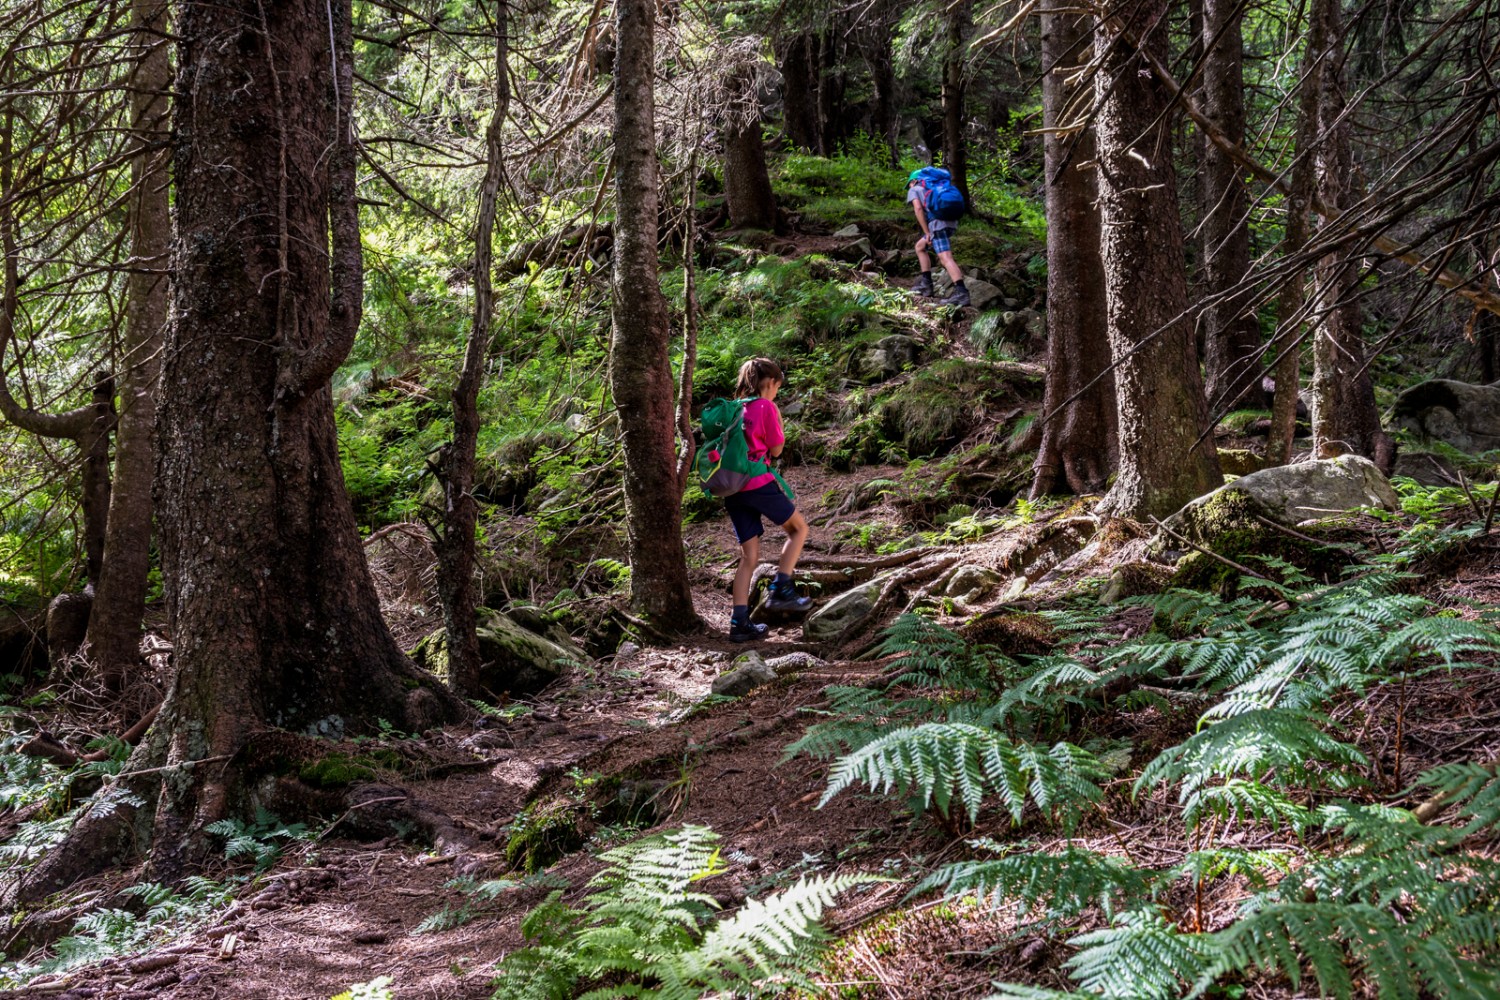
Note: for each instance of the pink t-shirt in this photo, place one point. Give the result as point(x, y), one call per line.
point(762, 432)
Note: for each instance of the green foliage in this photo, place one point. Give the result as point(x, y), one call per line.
point(261, 841)
point(378, 988)
point(645, 932)
point(111, 933)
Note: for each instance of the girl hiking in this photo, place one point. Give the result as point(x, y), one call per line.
point(763, 497)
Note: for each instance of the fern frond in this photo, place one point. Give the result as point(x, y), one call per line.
point(937, 763)
point(1139, 956)
point(1475, 788)
point(1068, 882)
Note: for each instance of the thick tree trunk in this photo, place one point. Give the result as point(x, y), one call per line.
point(454, 543)
point(93, 444)
point(120, 599)
point(1344, 417)
point(640, 365)
point(1231, 333)
point(1079, 439)
point(955, 153)
point(877, 52)
point(1162, 409)
point(747, 182)
point(272, 608)
point(1292, 298)
point(800, 75)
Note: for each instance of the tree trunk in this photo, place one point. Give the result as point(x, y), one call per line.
point(877, 52)
point(1231, 333)
point(1079, 439)
point(955, 155)
point(93, 444)
point(640, 365)
point(120, 599)
point(799, 75)
point(747, 182)
point(1344, 417)
point(454, 543)
point(832, 126)
point(1292, 298)
point(272, 608)
point(1162, 409)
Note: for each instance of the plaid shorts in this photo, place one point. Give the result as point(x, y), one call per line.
point(941, 240)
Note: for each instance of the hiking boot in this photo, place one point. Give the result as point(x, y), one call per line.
point(786, 600)
point(922, 287)
point(959, 298)
point(746, 631)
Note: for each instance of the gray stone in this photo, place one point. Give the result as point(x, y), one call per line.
point(576, 423)
point(845, 611)
point(512, 659)
point(627, 649)
point(982, 294)
point(970, 583)
point(849, 232)
point(793, 662)
point(888, 357)
point(1455, 413)
point(1310, 490)
point(1426, 468)
point(746, 673)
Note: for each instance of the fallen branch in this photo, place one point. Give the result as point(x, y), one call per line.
point(1211, 554)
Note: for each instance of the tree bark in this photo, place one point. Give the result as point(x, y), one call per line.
point(271, 605)
point(876, 46)
point(640, 365)
point(1162, 409)
point(800, 74)
point(955, 153)
point(1079, 438)
point(120, 599)
point(1231, 333)
point(454, 542)
point(747, 182)
point(1344, 417)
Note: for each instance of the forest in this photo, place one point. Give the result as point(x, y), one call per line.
point(845, 499)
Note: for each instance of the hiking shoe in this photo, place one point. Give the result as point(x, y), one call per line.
point(960, 297)
point(746, 631)
point(788, 601)
point(922, 287)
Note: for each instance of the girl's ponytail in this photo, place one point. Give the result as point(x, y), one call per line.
point(753, 374)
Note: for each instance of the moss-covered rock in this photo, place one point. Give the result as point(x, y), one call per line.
point(514, 659)
point(545, 831)
point(1239, 461)
point(1231, 523)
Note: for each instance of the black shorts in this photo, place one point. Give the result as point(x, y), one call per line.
point(747, 508)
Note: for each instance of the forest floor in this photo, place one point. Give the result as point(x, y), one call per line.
point(339, 910)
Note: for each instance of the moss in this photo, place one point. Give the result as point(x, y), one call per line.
point(1013, 633)
point(1227, 524)
point(1239, 461)
point(337, 770)
point(544, 832)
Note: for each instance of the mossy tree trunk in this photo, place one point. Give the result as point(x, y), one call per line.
point(456, 523)
point(1165, 458)
point(640, 365)
point(271, 604)
point(1079, 438)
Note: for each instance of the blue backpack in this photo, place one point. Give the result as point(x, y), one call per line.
point(941, 199)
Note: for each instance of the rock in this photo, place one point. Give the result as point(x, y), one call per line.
point(67, 624)
point(1426, 468)
point(982, 294)
point(793, 662)
point(1133, 579)
point(627, 649)
point(888, 357)
point(849, 232)
point(844, 612)
point(534, 619)
point(1239, 461)
point(746, 673)
point(1455, 413)
point(576, 423)
point(970, 583)
point(1302, 492)
point(794, 408)
point(513, 659)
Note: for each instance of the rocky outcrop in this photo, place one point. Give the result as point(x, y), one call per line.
point(888, 357)
point(1302, 492)
point(1465, 416)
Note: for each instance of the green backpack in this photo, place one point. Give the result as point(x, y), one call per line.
point(723, 462)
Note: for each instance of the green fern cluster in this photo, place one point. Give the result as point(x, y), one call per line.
point(646, 932)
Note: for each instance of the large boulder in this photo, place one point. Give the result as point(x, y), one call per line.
point(1302, 492)
point(844, 612)
point(514, 659)
point(982, 294)
point(888, 357)
point(1464, 416)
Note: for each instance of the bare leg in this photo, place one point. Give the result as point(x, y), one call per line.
point(796, 537)
point(924, 259)
point(749, 559)
point(949, 264)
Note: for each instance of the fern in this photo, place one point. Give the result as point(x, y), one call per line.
point(1474, 788)
point(1140, 956)
point(938, 762)
point(1062, 885)
point(643, 932)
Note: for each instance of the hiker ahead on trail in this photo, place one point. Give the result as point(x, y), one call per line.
point(938, 206)
point(740, 438)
